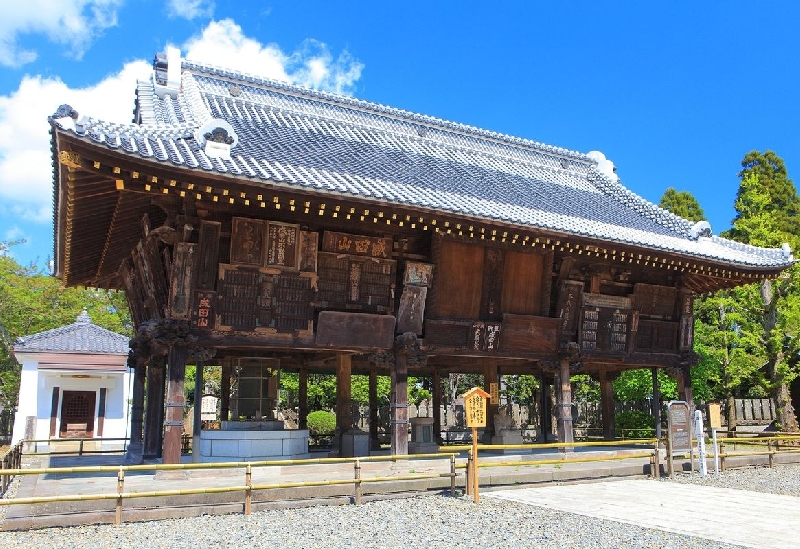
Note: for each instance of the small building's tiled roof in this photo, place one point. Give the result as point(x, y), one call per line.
point(81, 337)
point(331, 144)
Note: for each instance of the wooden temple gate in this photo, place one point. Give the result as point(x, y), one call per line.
point(220, 268)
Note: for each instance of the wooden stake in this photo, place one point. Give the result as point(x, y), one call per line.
point(475, 464)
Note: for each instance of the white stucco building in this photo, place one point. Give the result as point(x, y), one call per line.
point(74, 383)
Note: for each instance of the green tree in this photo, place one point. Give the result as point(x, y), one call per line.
point(682, 203)
point(32, 302)
point(767, 207)
point(727, 340)
point(776, 197)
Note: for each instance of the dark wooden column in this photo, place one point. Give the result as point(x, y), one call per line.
point(154, 413)
point(173, 423)
point(101, 410)
point(437, 407)
point(53, 413)
point(564, 403)
point(225, 390)
point(607, 404)
point(374, 442)
point(302, 397)
point(344, 407)
point(545, 410)
point(135, 448)
point(405, 345)
point(489, 376)
point(656, 401)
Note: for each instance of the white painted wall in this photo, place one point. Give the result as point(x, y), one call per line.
point(36, 390)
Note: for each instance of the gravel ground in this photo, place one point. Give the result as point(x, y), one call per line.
point(428, 521)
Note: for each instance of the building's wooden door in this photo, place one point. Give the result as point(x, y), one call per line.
point(77, 414)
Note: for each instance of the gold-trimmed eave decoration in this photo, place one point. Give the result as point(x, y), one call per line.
point(70, 159)
point(384, 215)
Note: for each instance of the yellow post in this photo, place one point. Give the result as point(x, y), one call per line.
point(452, 475)
point(248, 494)
point(771, 454)
point(358, 482)
point(475, 463)
point(120, 488)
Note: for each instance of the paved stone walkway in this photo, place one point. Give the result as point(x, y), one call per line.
point(750, 519)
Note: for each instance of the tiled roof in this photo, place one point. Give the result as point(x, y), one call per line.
point(81, 337)
point(332, 144)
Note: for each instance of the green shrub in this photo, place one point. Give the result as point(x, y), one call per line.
point(321, 422)
point(634, 424)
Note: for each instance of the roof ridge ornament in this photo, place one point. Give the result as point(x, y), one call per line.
point(217, 137)
point(84, 317)
point(701, 228)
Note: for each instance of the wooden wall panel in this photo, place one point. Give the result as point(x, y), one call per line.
point(459, 282)
point(352, 330)
point(209, 255)
point(529, 333)
point(522, 284)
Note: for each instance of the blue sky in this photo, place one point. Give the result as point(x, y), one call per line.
point(674, 93)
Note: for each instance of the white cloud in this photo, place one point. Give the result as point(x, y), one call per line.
point(190, 9)
point(25, 160)
point(73, 23)
point(224, 44)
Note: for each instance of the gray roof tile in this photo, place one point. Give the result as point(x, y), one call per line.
point(80, 337)
point(305, 138)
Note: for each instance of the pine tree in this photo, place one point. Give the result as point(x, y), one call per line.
point(767, 207)
point(682, 203)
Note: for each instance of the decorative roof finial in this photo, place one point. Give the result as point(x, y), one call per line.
point(84, 317)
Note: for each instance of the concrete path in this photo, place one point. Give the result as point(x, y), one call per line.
point(750, 519)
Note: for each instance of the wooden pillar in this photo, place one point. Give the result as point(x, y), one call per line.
point(400, 402)
point(173, 424)
point(197, 422)
point(489, 376)
point(302, 397)
point(684, 380)
point(564, 403)
point(437, 407)
point(374, 442)
point(344, 408)
point(545, 411)
point(225, 392)
point(154, 413)
point(607, 405)
point(134, 450)
point(53, 412)
point(656, 402)
point(101, 411)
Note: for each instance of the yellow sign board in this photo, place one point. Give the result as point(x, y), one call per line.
point(714, 416)
point(475, 407)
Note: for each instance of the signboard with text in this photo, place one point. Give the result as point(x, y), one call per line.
point(679, 426)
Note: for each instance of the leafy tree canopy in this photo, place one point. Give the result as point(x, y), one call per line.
point(682, 203)
point(31, 301)
point(766, 191)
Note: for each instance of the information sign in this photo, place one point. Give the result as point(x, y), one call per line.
point(475, 407)
point(680, 426)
